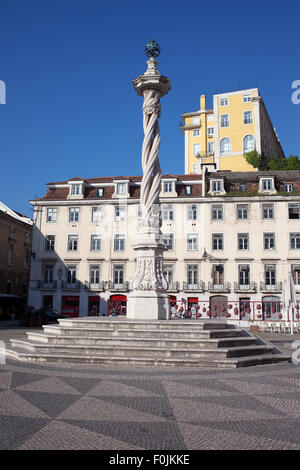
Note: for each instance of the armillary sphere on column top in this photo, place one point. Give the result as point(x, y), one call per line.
point(152, 49)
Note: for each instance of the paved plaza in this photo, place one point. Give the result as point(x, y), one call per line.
point(105, 407)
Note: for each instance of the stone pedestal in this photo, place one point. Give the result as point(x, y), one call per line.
point(148, 301)
point(148, 305)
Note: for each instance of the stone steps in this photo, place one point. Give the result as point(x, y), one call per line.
point(188, 343)
point(135, 351)
point(171, 342)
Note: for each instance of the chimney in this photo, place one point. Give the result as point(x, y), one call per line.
point(202, 103)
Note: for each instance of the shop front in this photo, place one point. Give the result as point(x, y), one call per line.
point(70, 305)
point(116, 305)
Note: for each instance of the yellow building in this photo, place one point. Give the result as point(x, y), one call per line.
point(237, 123)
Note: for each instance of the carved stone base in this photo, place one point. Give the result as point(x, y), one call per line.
point(148, 305)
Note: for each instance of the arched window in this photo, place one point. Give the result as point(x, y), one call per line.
point(248, 143)
point(225, 146)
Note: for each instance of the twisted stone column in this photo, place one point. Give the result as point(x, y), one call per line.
point(148, 299)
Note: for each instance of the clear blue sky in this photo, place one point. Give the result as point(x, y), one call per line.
point(69, 64)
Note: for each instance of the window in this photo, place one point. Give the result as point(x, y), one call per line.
point(196, 149)
point(210, 147)
point(246, 98)
point(74, 214)
point(294, 211)
point(100, 192)
point(224, 102)
point(26, 259)
point(217, 241)
point(118, 274)
point(242, 187)
point(96, 242)
point(49, 242)
point(119, 242)
point(11, 253)
point(248, 117)
point(192, 241)
point(225, 146)
point(168, 212)
point(242, 211)
point(187, 190)
point(224, 120)
point(248, 143)
point(268, 211)
point(168, 239)
point(195, 168)
point(244, 275)
point(267, 184)
point(27, 237)
point(192, 212)
point(218, 274)
point(217, 186)
point(243, 241)
point(168, 273)
point(96, 214)
point(295, 241)
point(217, 212)
point(288, 187)
point(48, 274)
point(71, 275)
point(168, 187)
point(296, 274)
point(94, 275)
point(270, 275)
point(269, 241)
point(51, 214)
point(72, 242)
point(196, 132)
point(210, 131)
point(196, 121)
point(75, 188)
point(120, 213)
point(192, 275)
point(121, 188)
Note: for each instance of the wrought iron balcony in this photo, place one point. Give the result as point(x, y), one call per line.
point(93, 286)
point(118, 287)
point(173, 286)
point(277, 287)
point(225, 287)
point(251, 287)
point(47, 285)
point(70, 285)
point(198, 287)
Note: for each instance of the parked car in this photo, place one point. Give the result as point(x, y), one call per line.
point(54, 315)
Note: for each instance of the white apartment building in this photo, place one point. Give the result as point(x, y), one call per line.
point(232, 239)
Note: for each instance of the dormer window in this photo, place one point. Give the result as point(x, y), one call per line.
point(188, 190)
point(168, 187)
point(121, 188)
point(75, 189)
point(100, 192)
point(288, 187)
point(266, 185)
point(217, 186)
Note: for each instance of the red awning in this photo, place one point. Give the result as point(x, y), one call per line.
point(118, 297)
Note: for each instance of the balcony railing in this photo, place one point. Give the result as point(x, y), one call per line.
point(198, 287)
point(47, 285)
point(118, 287)
point(277, 287)
point(173, 286)
point(225, 287)
point(251, 287)
point(70, 285)
point(95, 286)
point(205, 154)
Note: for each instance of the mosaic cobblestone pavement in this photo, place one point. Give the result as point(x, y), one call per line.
point(68, 406)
